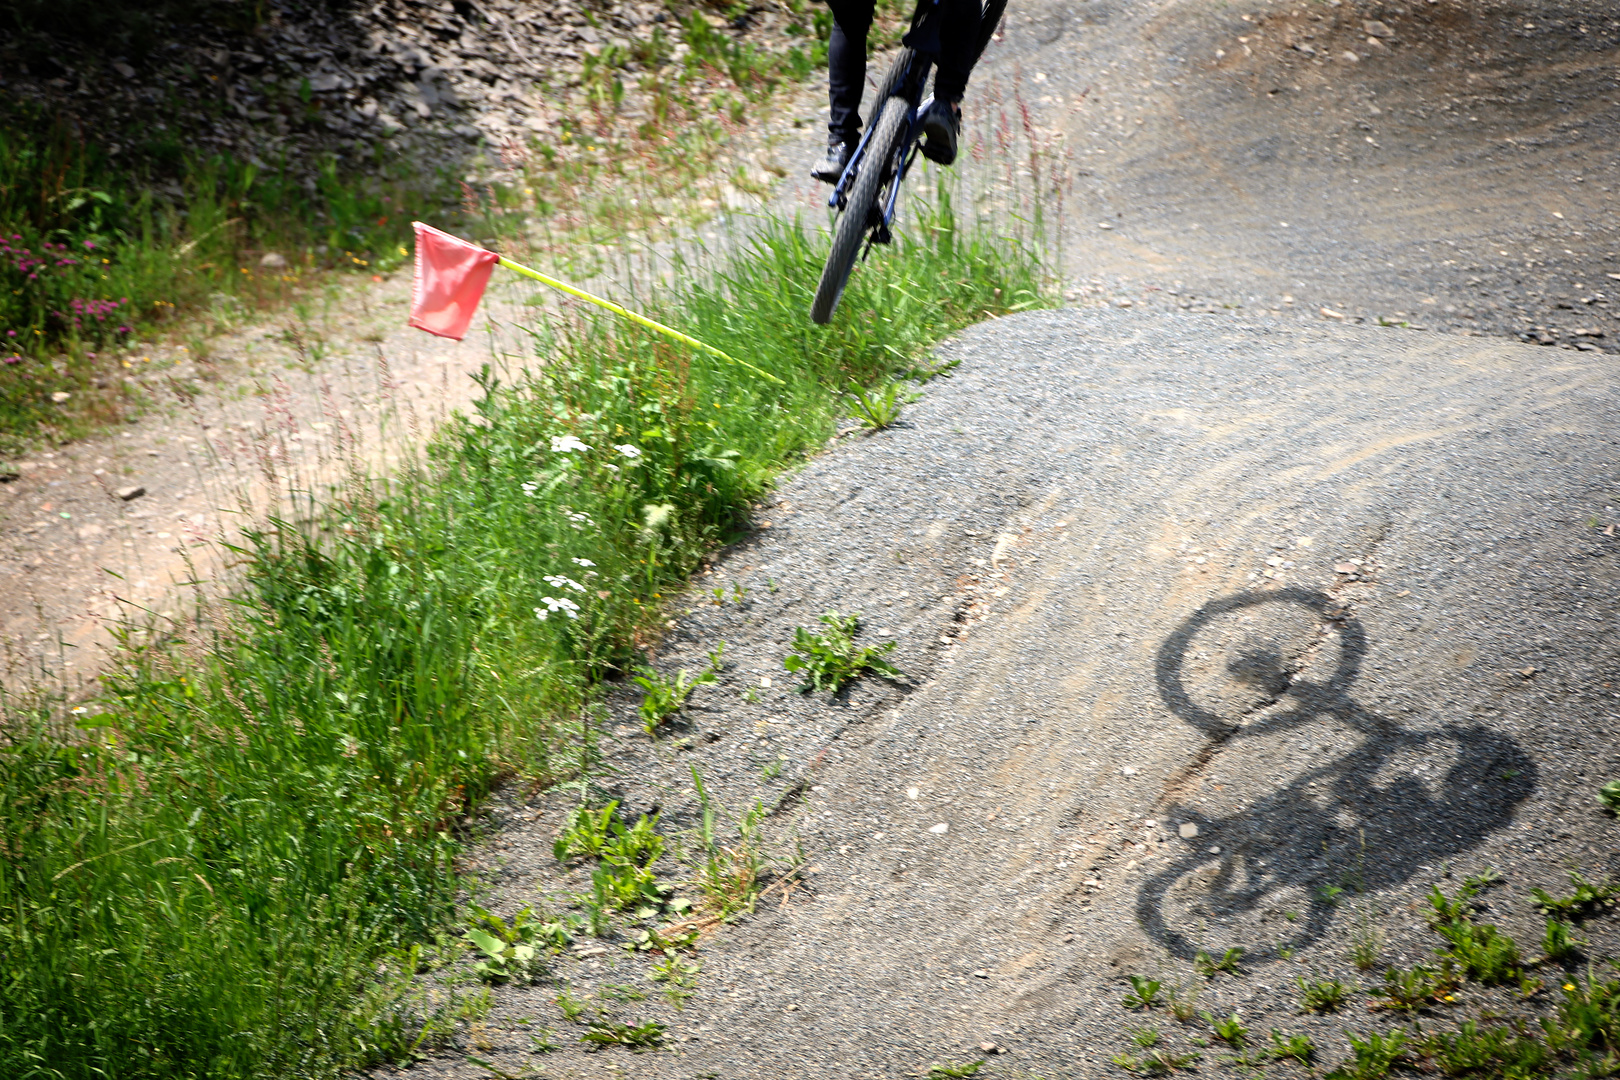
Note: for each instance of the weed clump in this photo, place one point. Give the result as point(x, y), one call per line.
point(831, 658)
point(878, 409)
point(1144, 993)
point(1322, 995)
point(1588, 898)
point(1210, 966)
point(259, 817)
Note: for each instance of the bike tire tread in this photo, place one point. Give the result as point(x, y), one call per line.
point(851, 226)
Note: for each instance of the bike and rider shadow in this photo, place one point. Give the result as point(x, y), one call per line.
point(1365, 820)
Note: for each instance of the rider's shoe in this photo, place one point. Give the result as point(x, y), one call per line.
point(940, 125)
point(832, 166)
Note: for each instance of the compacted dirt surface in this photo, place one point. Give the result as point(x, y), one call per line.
point(1225, 623)
point(118, 527)
point(1252, 661)
point(1449, 165)
point(1229, 626)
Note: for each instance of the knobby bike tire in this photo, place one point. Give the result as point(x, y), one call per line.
point(856, 218)
point(897, 71)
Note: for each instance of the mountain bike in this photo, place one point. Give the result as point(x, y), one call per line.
point(868, 191)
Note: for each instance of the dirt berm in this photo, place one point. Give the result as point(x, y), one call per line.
point(1221, 630)
point(1219, 633)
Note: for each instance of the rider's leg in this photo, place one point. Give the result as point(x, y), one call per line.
point(846, 79)
point(959, 34)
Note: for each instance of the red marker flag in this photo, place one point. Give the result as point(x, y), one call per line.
point(450, 278)
point(451, 275)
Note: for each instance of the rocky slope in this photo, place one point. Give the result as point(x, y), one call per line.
point(426, 82)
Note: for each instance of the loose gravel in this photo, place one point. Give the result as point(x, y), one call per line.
point(1218, 632)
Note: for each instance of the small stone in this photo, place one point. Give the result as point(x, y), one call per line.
point(90, 532)
point(1215, 849)
point(791, 1008)
point(273, 260)
point(1105, 224)
point(941, 829)
point(1127, 770)
point(123, 69)
point(912, 793)
point(60, 396)
point(1377, 29)
point(131, 493)
point(1345, 568)
point(1187, 830)
point(1349, 57)
point(1329, 313)
point(981, 973)
point(1305, 49)
point(989, 1047)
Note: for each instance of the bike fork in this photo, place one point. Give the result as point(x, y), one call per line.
point(908, 155)
point(836, 199)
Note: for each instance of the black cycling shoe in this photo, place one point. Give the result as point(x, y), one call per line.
point(940, 125)
point(832, 166)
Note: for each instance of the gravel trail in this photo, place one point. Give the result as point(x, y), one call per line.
point(1227, 622)
point(1203, 618)
point(1233, 625)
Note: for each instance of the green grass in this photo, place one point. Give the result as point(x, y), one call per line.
point(227, 865)
point(93, 258)
point(1577, 1033)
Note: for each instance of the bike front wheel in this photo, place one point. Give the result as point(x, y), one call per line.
point(862, 209)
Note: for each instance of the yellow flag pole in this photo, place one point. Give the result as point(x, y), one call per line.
point(632, 316)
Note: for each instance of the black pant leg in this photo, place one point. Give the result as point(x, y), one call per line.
point(846, 65)
point(959, 34)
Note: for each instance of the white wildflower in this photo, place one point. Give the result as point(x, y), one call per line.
point(579, 521)
point(557, 581)
point(566, 444)
point(530, 486)
point(556, 603)
point(583, 562)
point(631, 452)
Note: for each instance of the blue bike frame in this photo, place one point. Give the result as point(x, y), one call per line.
point(906, 151)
